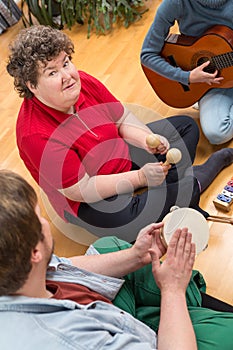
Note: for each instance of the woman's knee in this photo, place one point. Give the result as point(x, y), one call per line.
point(185, 125)
point(176, 125)
point(216, 115)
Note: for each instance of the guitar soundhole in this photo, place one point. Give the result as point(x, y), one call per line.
point(211, 68)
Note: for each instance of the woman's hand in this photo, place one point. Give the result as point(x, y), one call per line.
point(153, 174)
point(162, 148)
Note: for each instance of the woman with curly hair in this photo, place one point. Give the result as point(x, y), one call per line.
point(89, 153)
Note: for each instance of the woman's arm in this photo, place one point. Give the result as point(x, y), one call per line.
point(168, 12)
point(135, 132)
point(96, 188)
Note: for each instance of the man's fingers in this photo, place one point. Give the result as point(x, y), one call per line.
point(187, 240)
point(181, 244)
point(150, 229)
point(154, 259)
point(192, 255)
point(172, 246)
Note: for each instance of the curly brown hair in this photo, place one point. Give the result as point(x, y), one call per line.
point(20, 231)
point(32, 46)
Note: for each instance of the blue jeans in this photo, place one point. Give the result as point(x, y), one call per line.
point(216, 115)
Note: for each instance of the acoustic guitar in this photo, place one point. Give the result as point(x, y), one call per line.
point(187, 52)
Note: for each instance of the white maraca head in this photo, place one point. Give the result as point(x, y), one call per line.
point(173, 156)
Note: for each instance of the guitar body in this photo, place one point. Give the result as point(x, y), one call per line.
point(188, 53)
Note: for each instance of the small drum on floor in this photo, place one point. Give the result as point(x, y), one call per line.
point(190, 218)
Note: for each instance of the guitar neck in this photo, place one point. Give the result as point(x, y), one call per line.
point(223, 61)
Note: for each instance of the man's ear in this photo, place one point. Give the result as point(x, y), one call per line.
point(36, 255)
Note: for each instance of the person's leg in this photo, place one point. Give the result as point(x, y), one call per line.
point(182, 132)
point(185, 137)
point(212, 303)
point(124, 215)
point(148, 297)
point(139, 295)
point(125, 298)
point(216, 115)
point(206, 172)
point(213, 329)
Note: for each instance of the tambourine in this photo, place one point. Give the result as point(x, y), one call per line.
point(190, 218)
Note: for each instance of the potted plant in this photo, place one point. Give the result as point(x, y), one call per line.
point(100, 15)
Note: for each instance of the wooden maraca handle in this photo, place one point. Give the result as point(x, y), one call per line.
point(153, 140)
point(173, 156)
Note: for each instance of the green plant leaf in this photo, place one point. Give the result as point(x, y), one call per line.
point(99, 15)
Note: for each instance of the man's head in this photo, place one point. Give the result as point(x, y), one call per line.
point(20, 231)
point(34, 45)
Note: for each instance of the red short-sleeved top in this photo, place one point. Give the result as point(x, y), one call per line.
point(58, 148)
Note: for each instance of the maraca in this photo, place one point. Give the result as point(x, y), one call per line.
point(173, 155)
point(152, 140)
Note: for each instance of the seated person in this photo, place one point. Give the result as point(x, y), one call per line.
point(104, 301)
point(89, 153)
point(194, 19)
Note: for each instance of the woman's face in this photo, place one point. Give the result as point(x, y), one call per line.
point(58, 84)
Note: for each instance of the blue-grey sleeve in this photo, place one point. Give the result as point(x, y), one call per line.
point(168, 12)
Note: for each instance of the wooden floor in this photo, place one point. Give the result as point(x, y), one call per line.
point(114, 59)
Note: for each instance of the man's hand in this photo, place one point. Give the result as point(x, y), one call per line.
point(149, 238)
point(175, 272)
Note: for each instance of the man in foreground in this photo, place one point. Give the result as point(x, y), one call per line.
point(49, 302)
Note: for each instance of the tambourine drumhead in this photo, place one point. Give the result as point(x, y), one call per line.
point(193, 220)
